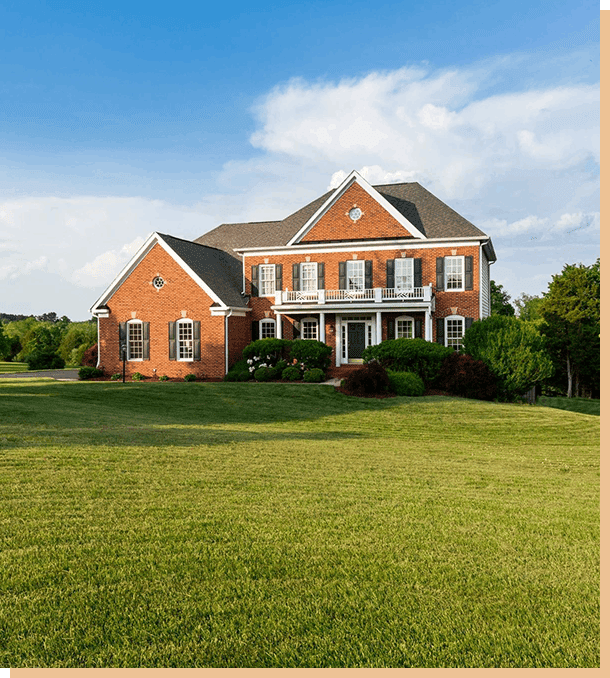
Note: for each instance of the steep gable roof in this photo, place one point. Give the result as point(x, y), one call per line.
point(427, 213)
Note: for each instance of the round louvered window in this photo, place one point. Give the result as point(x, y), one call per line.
point(355, 213)
point(158, 282)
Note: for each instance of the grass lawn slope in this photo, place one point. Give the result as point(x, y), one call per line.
point(227, 525)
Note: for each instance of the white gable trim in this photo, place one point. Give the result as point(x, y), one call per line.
point(152, 240)
point(355, 178)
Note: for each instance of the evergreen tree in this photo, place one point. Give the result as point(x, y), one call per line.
point(500, 300)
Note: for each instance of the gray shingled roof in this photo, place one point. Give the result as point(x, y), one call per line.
point(424, 210)
point(220, 270)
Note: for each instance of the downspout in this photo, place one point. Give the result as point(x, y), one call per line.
point(227, 316)
point(98, 340)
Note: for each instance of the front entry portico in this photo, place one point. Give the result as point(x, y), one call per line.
point(354, 334)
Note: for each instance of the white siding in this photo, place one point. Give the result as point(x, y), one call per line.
point(485, 295)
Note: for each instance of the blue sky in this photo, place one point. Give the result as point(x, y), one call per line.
point(118, 119)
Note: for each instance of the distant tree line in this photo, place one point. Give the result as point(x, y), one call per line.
point(45, 341)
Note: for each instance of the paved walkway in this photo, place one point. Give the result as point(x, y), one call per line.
point(59, 375)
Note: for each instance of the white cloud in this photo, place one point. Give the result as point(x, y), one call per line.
point(105, 266)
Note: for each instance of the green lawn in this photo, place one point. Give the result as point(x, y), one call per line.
point(582, 405)
point(13, 367)
point(218, 525)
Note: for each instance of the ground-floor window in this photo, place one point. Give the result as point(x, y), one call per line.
point(404, 327)
point(185, 339)
point(267, 326)
point(309, 329)
point(454, 331)
point(135, 340)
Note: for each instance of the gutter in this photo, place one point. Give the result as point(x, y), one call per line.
point(227, 316)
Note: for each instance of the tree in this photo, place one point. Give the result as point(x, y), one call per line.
point(528, 307)
point(512, 349)
point(571, 314)
point(5, 346)
point(500, 300)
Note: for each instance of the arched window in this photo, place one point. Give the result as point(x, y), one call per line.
point(454, 331)
point(404, 327)
point(309, 328)
point(135, 340)
point(267, 328)
point(184, 329)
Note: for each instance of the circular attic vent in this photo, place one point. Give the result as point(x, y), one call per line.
point(158, 282)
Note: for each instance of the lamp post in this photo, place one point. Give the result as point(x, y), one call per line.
point(124, 354)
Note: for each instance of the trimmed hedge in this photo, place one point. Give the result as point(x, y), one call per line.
point(314, 376)
point(89, 373)
point(311, 354)
point(406, 384)
point(291, 374)
point(409, 355)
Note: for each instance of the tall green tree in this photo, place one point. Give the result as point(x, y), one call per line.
point(500, 300)
point(5, 346)
point(528, 307)
point(571, 314)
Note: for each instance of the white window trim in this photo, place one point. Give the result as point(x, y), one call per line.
point(404, 317)
point(260, 327)
point(313, 265)
point(312, 320)
point(454, 317)
point(262, 267)
point(410, 275)
point(463, 263)
point(185, 321)
point(131, 323)
point(355, 263)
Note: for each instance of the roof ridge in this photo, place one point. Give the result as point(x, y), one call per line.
point(192, 242)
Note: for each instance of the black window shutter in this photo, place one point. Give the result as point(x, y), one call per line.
point(254, 279)
point(321, 283)
point(197, 340)
point(368, 275)
point(467, 273)
point(417, 281)
point(440, 330)
point(342, 275)
point(389, 274)
point(171, 328)
point(122, 339)
point(295, 332)
point(255, 328)
point(145, 341)
point(278, 277)
point(296, 277)
point(440, 273)
point(418, 328)
point(468, 323)
point(391, 332)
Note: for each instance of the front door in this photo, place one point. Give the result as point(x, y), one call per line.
point(356, 341)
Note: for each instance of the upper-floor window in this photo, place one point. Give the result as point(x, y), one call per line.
point(454, 273)
point(267, 279)
point(403, 274)
point(355, 275)
point(135, 340)
point(185, 339)
point(309, 277)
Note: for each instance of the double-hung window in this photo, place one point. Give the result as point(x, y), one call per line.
point(267, 279)
point(135, 340)
point(185, 339)
point(309, 277)
point(309, 328)
point(454, 273)
point(403, 274)
point(454, 331)
point(355, 275)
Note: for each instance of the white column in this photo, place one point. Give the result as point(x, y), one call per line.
point(278, 325)
point(378, 328)
point(322, 332)
point(338, 333)
point(427, 332)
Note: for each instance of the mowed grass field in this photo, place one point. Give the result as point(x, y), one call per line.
point(251, 525)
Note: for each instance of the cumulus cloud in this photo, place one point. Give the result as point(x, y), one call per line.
point(105, 266)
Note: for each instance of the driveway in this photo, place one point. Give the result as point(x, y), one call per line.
point(59, 375)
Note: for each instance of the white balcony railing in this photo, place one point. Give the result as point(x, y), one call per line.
point(377, 294)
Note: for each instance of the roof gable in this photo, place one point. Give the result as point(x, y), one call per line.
point(377, 217)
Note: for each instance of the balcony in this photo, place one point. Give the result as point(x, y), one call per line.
point(377, 295)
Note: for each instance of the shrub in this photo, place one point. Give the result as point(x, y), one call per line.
point(311, 354)
point(370, 379)
point(90, 356)
point(314, 376)
point(136, 376)
point(44, 359)
point(237, 371)
point(164, 377)
point(512, 349)
point(243, 376)
point(89, 373)
point(291, 374)
point(409, 355)
point(271, 349)
point(189, 377)
point(263, 374)
point(406, 383)
point(115, 377)
point(462, 375)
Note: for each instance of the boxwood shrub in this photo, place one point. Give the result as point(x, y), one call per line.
point(314, 376)
point(406, 383)
point(409, 355)
point(311, 354)
point(291, 374)
point(89, 373)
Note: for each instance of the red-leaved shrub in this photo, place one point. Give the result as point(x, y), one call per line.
point(90, 357)
point(462, 375)
point(370, 379)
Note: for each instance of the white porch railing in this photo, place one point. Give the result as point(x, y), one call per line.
point(377, 294)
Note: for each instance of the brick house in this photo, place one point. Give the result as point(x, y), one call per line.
point(359, 265)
